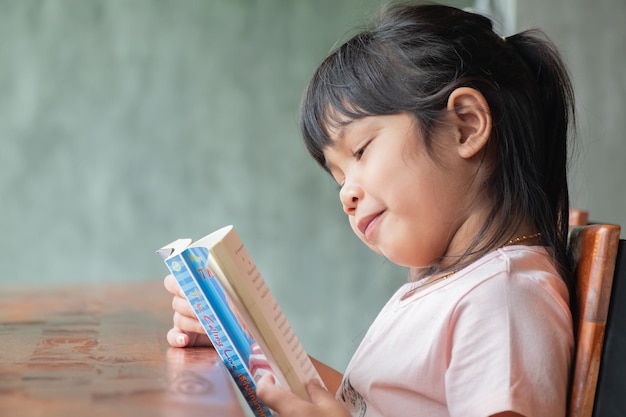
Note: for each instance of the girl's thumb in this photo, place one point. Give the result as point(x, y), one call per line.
point(317, 393)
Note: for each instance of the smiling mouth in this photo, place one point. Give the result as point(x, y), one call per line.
point(365, 222)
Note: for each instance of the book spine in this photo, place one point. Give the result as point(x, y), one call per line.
point(197, 259)
point(223, 344)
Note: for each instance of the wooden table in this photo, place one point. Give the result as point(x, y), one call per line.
point(100, 350)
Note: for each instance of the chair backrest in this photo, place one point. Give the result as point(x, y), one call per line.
point(594, 250)
point(578, 217)
point(611, 392)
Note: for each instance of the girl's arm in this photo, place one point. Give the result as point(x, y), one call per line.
point(330, 377)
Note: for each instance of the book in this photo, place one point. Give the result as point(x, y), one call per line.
point(239, 314)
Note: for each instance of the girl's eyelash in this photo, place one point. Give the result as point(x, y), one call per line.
point(359, 152)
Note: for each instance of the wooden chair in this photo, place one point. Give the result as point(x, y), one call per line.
point(578, 217)
point(610, 398)
point(594, 249)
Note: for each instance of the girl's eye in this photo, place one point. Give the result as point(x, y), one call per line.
point(359, 153)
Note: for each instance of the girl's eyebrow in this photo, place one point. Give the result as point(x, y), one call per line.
point(342, 131)
point(363, 126)
point(340, 136)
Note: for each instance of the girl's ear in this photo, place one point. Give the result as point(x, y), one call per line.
point(471, 116)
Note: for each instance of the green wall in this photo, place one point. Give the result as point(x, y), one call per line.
point(126, 124)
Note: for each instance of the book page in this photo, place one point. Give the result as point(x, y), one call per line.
point(275, 335)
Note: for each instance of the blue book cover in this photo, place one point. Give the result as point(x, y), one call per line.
point(196, 258)
point(231, 341)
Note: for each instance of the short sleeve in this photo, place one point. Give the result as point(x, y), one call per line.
point(511, 345)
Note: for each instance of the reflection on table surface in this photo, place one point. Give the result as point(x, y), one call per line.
point(100, 350)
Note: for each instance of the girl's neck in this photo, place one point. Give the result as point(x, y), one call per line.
point(463, 250)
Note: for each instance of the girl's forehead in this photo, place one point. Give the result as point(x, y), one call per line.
point(339, 130)
point(335, 124)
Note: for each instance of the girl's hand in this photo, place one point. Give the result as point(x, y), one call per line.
point(187, 330)
point(288, 404)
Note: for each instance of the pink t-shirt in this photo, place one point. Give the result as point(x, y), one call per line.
point(495, 336)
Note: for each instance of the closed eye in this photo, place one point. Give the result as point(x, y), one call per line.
point(359, 153)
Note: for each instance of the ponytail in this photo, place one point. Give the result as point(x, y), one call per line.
point(555, 118)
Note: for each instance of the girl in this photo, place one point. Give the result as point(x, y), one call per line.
point(450, 147)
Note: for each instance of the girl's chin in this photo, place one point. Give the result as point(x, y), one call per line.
point(389, 253)
point(370, 245)
point(407, 260)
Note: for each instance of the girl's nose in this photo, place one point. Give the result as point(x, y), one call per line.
point(350, 195)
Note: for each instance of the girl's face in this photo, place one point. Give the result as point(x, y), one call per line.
point(399, 201)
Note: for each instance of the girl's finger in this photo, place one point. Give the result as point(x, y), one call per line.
point(325, 401)
point(187, 325)
point(318, 393)
point(280, 400)
point(178, 338)
point(181, 306)
point(171, 285)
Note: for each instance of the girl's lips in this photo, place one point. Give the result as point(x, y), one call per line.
point(364, 222)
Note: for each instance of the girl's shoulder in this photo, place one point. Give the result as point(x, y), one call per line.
point(516, 268)
point(513, 272)
point(512, 261)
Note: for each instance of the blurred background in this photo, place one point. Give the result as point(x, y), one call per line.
point(127, 124)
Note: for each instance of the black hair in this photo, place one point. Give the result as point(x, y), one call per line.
point(413, 58)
